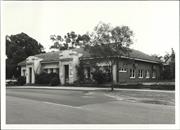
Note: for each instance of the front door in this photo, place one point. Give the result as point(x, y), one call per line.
point(30, 75)
point(66, 73)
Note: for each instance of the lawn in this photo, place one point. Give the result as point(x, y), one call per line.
point(163, 98)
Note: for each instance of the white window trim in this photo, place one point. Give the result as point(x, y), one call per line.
point(153, 75)
point(123, 70)
point(133, 77)
point(140, 77)
point(147, 77)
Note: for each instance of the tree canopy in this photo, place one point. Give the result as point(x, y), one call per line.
point(105, 40)
point(110, 41)
point(69, 41)
point(168, 64)
point(170, 61)
point(18, 48)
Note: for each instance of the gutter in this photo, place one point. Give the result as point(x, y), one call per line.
point(49, 61)
point(138, 59)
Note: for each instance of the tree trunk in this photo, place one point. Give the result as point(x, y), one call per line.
point(112, 87)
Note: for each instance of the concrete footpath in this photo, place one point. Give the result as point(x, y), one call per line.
point(86, 88)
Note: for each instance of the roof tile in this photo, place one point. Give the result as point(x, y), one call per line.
point(54, 56)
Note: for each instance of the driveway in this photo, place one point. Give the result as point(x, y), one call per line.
point(45, 106)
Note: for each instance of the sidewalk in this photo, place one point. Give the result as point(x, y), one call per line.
point(86, 88)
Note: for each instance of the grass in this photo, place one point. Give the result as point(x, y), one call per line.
point(163, 98)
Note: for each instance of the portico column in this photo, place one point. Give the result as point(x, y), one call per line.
point(114, 73)
point(27, 75)
point(33, 76)
point(61, 72)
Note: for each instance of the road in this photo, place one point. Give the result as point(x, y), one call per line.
point(44, 106)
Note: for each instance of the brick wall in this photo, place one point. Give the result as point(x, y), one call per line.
point(125, 65)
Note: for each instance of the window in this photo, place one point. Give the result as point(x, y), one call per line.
point(147, 74)
point(122, 70)
point(153, 74)
point(132, 73)
point(140, 73)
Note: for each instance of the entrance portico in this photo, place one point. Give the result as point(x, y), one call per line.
point(32, 67)
point(68, 61)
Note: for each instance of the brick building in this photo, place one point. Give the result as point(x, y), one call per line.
point(137, 67)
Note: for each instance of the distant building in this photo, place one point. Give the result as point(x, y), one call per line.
point(137, 67)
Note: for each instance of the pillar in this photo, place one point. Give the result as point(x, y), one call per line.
point(27, 75)
point(114, 73)
point(33, 76)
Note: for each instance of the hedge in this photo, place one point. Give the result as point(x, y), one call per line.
point(47, 79)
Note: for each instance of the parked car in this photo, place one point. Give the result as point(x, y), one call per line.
point(11, 82)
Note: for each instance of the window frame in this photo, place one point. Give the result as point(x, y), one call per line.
point(122, 69)
point(140, 74)
point(132, 74)
point(147, 76)
point(153, 74)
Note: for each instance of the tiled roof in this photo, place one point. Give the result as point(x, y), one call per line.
point(54, 56)
point(140, 55)
point(135, 54)
point(22, 63)
point(49, 56)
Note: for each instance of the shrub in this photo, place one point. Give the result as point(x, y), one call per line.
point(21, 80)
point(163, 87)
point(42, 78)
point(80, 72)
point(134, 86)
point(54, 81)
point(99, 76)
point(45, 78)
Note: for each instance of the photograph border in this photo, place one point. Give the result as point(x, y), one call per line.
point(79, 126)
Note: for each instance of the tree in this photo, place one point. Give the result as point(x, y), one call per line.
point(18, 48)
point(168, 65)
point(110, 41)
point(83, 40)
point(170, 60)
point(107, 42)
point(58, 42)
point(158, 57)
point(69, 41)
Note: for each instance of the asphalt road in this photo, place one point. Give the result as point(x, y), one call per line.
point(40, 106)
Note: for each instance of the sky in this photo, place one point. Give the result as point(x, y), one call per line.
point(154, 23)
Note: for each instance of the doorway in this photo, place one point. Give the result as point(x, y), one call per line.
point(66, 73)
point(30, 75)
